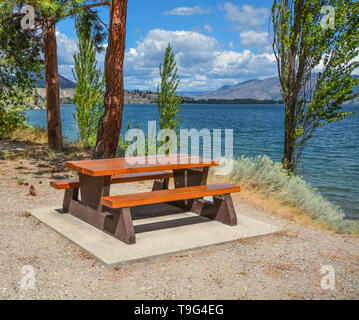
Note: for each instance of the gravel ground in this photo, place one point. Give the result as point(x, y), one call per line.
point(282, 266)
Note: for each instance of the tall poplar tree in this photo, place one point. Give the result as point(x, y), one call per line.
point(89, 82)
point(169, 102)
point(316, 45)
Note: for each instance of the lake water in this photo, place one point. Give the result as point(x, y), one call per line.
point(329, 162)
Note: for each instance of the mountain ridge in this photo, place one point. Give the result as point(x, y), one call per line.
point(257, 89)
point(266, 89)
point(64, 83)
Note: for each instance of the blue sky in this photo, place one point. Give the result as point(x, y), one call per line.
point(216, 42)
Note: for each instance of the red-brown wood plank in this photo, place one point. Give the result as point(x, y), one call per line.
point(65, 184)
point(123, 178)
point(105, 167)
point(138, 199)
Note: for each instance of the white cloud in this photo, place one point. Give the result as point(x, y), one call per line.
point(254, 39)
point(66, 48)
point(192, 50)
point(356, 71)
point(196, 29)
point(65, 71)
point(201, 61)
point(207, 28)
point(245, 17)
point(231, 44)
point(243, 64)
point(186, 11)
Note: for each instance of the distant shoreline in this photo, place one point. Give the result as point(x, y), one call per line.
point(203, 103)
point(231, 101)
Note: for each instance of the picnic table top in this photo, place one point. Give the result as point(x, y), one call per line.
point(107, 167)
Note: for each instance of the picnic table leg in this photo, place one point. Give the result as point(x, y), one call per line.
point(70, 194)
point(221, 210)
point(93, 189)
point(160, 184)
point(89, 209)
point(124, 229)
point(189, 178)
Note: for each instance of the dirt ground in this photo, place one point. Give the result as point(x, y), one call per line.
point(290, 265)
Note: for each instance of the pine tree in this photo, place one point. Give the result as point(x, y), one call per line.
point(109, 128)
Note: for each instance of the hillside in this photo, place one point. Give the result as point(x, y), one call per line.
point(266, 89)
point(63, 82)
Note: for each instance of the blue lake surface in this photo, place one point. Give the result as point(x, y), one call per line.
point(329, 162)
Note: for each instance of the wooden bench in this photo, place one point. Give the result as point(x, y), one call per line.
point(221, 209)
point(72, 186)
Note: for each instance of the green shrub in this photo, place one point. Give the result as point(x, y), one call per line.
point(14, 100)
point(10, 120)
point(270, 178)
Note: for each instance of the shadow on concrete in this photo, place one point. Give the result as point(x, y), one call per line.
point(169, 224)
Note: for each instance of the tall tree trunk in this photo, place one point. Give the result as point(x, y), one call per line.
point(111, 122)
point(288, 155)
point(54, 128)
point(289, 142)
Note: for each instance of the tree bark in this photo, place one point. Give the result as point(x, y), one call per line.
point(289, 142)
point(54, 128)
point(288, 155)
point(111, 122)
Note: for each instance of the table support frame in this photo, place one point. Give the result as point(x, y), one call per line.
point(119, 224)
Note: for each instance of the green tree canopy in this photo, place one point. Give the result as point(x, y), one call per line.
point(20, 62)
point(169, 102)
point(316, 54)
point(89, 97)
point(45, 14)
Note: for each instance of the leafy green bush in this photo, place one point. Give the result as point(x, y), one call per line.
point(273, 181)
point(10, 120)
point(12, 109)
point(20, 62)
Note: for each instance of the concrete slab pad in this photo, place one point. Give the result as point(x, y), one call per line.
point(160, 230)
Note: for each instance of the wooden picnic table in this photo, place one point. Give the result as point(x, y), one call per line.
point(112, 213)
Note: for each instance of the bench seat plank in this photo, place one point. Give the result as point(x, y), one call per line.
point(144, 198)
point(121, 178)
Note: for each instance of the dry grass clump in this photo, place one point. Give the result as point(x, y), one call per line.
point(32, 143)
point(267, 184)
point(34, 135)
point(255, 198)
